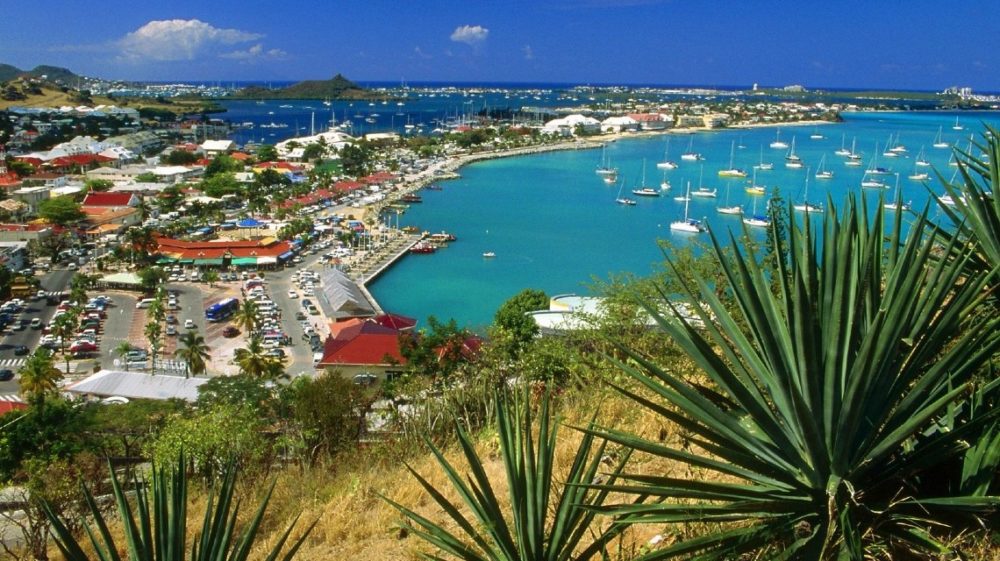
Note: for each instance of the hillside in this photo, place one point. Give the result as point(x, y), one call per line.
point(8, 72)
point(55, 74)
point(337, 87)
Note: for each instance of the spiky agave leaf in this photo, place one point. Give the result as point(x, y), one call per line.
point(837, 362)
point(156, 527)
point(541, 523)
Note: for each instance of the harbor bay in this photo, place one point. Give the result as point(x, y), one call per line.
point(553, 224)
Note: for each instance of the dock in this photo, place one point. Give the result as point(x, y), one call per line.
point(383, 259)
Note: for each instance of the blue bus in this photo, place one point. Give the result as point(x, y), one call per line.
point(222, 309)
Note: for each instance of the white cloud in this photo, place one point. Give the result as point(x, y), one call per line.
point(255, 53)
point(179, 39)
point(470, 34)
point(528, 53)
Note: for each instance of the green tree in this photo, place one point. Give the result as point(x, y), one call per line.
point(222, 164)
point(64, 328)
point(827, 420)
point(60, 210)
point(246, 316)
point(220, 185)
point(329, 411)
point(211, 438)
point(254, 361)
point(154, 333)
point(436, 352)
point(210, 276)
point(513, 320)
point(194, 352)
point(241, 390)
point(266, 153)
point(150, 278)
point(122, 349)
point(50, 246)
point(180, 158)
point(98, 185)
point(355, 159)
point(39, 378)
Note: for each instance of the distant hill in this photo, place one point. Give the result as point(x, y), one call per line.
point(8, 72)
point(337, 87)
point(54, 74)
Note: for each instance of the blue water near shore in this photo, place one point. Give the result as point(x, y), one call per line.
point(553, 224)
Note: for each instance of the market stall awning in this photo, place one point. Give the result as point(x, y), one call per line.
point(267, 260)
point(285, 256)
point(244, 261)
point(250, 223)
point(208, 261)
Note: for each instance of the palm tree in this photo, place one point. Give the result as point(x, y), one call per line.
point(156, 528)
point(122, 349)
point(39, 377)
point(246, 317)
point(254, 361)
point(824, 424)
point(545, 525)
point(193, 352)
point(63, 328)
point(153, 332)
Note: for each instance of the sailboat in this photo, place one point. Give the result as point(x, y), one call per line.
point(792, 160)
point(957, 126)
point(822, 172)
point(805, 206)
point(604, 168)
point(703, 191)
point(896, 203)
point(732, 171)
point(918, 175)
point(843, 151)
point(753, 188)
point(756, 220)
point(764, 166)
point(666, 163)
point(687, 225)
point(644, 190)
point(691, 155)
point(665, 184)
point(726, 209)
point(816, 135)
point(921, 161)
point(853, 158)
point(868, 182)
point(623, 200)
point(778, 144)
point(938, 141)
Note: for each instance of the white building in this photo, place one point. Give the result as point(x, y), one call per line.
point(619, 124)
point(293, 148)
point(568, 125)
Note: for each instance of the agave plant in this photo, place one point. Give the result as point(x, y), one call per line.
point(976, 211)
point(156, 530)
point(541, 524)
point(817, 422)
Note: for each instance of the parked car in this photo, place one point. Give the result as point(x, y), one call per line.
point(189, 324)
point(6, 375)
point(293, 294)
point(230, 331)
point(277, 353)
point(171, 330)
point(36, 323)
point(20, 350)
point(79, 346)
point(171, 319)
point(136, 355)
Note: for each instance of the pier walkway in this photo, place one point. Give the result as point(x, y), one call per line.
point(367, 269)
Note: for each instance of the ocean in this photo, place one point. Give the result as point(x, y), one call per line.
point(554, 226)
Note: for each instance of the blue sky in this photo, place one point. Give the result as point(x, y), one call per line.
point(919, 44)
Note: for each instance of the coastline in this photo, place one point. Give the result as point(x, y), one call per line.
point(382, 260)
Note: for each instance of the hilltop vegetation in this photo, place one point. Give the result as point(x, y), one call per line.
point(337, 87)
point(55, 74)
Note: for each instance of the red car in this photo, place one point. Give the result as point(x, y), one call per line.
point(82, 346)
point(230, 331)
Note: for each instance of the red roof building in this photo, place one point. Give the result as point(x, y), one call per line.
point(264, 252)
point(99, 199)
point(361, 347)
point(10, 403)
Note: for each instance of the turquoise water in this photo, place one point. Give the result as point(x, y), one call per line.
point(554, 226)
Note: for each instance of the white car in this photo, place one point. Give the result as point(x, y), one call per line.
point(293, 294)
point(189, 324)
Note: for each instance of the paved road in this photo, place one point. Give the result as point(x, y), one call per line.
point(55, 281)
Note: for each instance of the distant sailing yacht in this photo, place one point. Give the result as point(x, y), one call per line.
point(764, 166)
point(623, 200)
point(868, 182)
point(732, 171)
point(604, 168)
point(843, 151)
point(702, 191)
point(644, 190)
point(957, 126)
point(806, 206)
point(666, 163)
point(687, 225)
point(897, 203)
point(726, 209)
point(691, 155)
point(938, 141)
point(753, 188)
point(822, 172)
point(853, 158)
point(792, 160)
point(778, 144)
point(756, 220)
